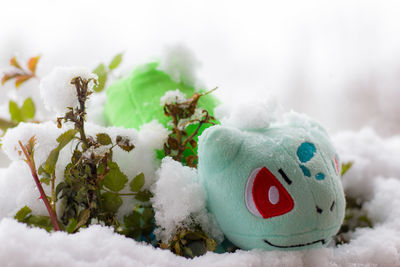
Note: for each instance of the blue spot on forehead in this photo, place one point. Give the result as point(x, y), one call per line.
point(306, 151)
point(320, 176)
point(305, 170)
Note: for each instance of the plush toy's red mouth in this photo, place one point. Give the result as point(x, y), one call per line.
point(296, 245)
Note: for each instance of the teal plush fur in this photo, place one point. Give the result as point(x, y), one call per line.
point(301, 149)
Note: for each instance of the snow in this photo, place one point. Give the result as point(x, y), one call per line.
point(45, 135)
point(249, 114)
point(179, 200)
point(171, 97)
point(99, 246)
point(57, 91)
point(374, 178)
point(180, 64)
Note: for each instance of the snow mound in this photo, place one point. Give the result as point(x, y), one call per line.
point(179, 200)
point(249, 115)
point(57, 91)
point(45, 135)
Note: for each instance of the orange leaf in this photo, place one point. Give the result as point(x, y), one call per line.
point(14, 62)
point(7, 77)
point(21, 79)
point(32, 63)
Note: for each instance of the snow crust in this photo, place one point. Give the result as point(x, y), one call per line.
point(57, 91)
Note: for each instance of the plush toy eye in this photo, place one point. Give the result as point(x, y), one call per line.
point(265, 196)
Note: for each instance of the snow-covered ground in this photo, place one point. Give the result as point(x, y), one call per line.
point(375, 177)
point(337, 61)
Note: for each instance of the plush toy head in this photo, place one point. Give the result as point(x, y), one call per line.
point(276, 188)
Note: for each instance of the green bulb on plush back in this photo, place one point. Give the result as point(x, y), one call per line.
point(276, 188)
point(135, 99)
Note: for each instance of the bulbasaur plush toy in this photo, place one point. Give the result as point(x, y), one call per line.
point(276, 188)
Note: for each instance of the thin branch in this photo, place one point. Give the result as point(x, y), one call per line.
point(43, 195)
point(5, 124)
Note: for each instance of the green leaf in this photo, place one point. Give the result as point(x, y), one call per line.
point(132, 220)
point(24, 216)
point(148, 214)
point(103, 139)
point(111, 202)
point(83, 217)
point(28, 109)
point(40, 221)
point(63, 140)
point(60, 187)
point(66, 137)
point(115, 180)
point(51, 161)
point(15, 112)
point(143, 195)
point(22, 213)
point(115, 61)
point(45, 180)
point(71, 227)
point(346, 166)
point(137, 183)
point(101, 73)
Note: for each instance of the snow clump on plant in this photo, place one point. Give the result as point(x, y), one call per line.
point(58, 92)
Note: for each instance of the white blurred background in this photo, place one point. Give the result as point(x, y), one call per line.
point(338, 61)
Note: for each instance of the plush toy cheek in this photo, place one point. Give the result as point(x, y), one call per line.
point(265, 195)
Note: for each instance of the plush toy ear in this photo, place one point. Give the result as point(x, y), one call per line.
point(218, 146)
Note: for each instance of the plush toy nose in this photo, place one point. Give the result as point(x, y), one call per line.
point(331, 208)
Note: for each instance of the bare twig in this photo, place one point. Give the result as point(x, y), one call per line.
point(43, 195)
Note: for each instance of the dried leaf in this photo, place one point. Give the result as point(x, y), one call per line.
point(8, 76)
point(190, 160)
point(14, 63)
point(193, 143)
point(21, 79)
point(124, 143)
point(173, 143)
point(32, 63)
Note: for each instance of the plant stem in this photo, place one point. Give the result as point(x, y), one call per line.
point(5, 124)
point(43, 195)
point(53, 194)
